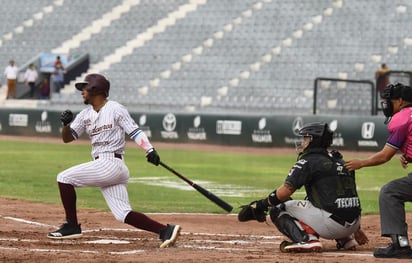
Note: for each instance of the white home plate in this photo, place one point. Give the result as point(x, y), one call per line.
point(107, 241)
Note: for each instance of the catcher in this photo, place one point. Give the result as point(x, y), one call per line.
point(332, 207)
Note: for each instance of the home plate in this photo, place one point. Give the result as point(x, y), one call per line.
point(107, 241)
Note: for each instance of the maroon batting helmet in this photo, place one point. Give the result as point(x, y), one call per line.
point(95, 84)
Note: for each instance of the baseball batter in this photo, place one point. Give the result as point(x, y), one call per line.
point(332, 207)
point(397, 107)
point(106, 122)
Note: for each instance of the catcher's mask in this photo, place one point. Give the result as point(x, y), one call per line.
point(95, 84)
point(320, 135)
point(393, 92)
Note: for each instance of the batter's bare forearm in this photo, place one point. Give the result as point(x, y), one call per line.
point(67, 134)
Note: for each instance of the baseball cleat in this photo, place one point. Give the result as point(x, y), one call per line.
point(393, 251)
point(309, 246)
point(66, 230)
point(169, 235)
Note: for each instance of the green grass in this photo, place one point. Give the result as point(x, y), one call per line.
point(29, 169)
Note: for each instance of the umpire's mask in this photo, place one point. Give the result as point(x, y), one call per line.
point(391, 92)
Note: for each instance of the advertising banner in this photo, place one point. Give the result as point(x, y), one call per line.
point(367, 133)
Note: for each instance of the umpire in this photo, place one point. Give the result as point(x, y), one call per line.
point(332, 207)
point(397, 107)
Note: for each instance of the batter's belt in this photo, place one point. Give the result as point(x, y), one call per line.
point(116, 155)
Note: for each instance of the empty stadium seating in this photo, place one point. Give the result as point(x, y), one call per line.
point(245, 56)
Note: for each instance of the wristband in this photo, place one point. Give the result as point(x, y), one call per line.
point(273, 199)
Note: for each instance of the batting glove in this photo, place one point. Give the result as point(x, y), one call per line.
point(153, 157)
point(66, 117)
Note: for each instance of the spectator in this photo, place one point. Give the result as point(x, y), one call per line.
point(382, 78)
point(30, 77)
point(58, 61)
point(45, 89)
point(58, 78)
point(10, 73)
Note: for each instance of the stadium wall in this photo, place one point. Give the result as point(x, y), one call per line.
point(366, 133)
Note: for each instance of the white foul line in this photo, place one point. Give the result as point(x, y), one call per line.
point(123, 241)
point(25, 221)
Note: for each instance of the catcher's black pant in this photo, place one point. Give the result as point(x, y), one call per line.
point(392, 200)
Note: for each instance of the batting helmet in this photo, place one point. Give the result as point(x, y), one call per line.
point(320, 133)
point(95, 84)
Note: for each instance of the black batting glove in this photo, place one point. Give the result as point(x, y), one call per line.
point(153, 157)
point(66, 117)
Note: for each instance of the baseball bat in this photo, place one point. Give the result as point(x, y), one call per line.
point(200, 189)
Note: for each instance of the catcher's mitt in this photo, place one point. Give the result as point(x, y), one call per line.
point(251, 211)
point(361, 237)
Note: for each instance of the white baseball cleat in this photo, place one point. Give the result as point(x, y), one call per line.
point(309, 246)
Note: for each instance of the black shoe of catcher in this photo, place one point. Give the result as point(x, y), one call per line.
point(169, 235)
point(66, 230)
point(393, 251)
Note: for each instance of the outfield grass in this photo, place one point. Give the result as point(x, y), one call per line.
point(28, 172)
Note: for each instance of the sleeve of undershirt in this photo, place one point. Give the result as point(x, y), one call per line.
point(132, 129)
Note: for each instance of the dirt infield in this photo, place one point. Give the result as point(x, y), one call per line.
point(204, 238)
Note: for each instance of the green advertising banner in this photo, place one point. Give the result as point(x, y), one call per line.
point(366, 133)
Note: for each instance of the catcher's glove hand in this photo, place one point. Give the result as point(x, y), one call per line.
point(361, 237)
point(252, 211)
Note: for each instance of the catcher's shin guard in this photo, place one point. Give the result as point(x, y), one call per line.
point(290, 227)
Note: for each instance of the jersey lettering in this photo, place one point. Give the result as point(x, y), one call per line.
point(301, 162)
point(98, 130)
point(301, 203)
point(106, 128)
point(347, 202)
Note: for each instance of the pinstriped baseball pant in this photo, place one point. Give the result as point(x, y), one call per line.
point(108, 173)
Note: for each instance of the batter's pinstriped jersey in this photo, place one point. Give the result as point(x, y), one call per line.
point(105, 128)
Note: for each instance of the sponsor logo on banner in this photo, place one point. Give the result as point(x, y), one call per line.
point(337, 136)
point(143, 127)
point(0, 126)
point(368, 132)
point(19, 120)
point(43, 125)
point(169, 125)
point(297, 124)
point(196, 132)
point(261, 135)
point(228, 127)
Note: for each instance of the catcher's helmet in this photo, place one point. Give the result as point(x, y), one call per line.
point(320, 133)
point(95, 84)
